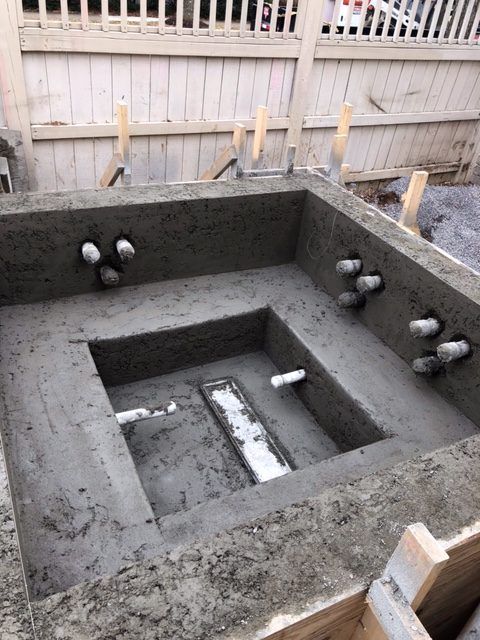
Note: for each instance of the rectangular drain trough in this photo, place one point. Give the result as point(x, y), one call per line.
point(250, 438)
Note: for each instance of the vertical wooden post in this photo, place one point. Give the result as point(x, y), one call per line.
point(291, 150)
point(12, 82)
point(239, 141)
point(124, 141)
point(259, 137)
point(337, 153)
point(301, 86)
point(345, 119)
point(413, 197)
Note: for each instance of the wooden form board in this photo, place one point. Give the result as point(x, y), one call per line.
point(452, 597)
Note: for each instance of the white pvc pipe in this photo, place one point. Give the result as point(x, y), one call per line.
point(351, 299)
point(428, 365)
point(136, 415)
point(368, 283)
point(348, 267)
point(125, 250)
point(424, 328)
point(109, 276)
point(449, 351)
point(288, 378)
point(90, 253)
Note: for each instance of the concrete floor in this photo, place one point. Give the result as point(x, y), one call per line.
point(186, 459)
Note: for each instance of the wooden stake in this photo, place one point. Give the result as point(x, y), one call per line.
point(239, 141)
point(408, 217)
point(260, 135)
point(337, 152)
point(221, 164)
point(124, 141)
point(114, 169)
point(346, 113)
point(414, 566)
point(291, 151)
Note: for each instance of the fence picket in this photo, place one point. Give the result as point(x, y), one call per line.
point(473, 30)
point(64, 14)
point(445, 21)
point(373, 27)
point(363, 13)
point(336, 13)
point(456, 19)
point(258, 18)
point(413, 13)
point(123, 16)
point(388, 19)
point(212, 20)
point(274, 19)
point(423, 20)
point(466, 20)
point(399, 25)
point(179, 19)
point(228, 17)
point(348, 21)
point(161, 16)
point(196, 18)
point(433, 24)
point(143, 16)
point(84, 14)
point(243, 18)
point(42, 10)
point(288, 18)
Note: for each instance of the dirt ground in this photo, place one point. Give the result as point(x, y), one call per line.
point(449, 216)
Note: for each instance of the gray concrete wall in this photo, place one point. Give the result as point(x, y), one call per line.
point(418, 280)
point(178, 231)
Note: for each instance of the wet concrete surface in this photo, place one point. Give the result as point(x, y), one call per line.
point(186, 459)
point(83, 504)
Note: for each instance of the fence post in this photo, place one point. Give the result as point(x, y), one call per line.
point(12, 81)
point(301, 87)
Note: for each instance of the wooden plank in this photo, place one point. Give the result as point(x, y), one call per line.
point(260, 134)
point(239, 141)
point(445, 21)
point(365, 50)
point(212, 21)
point(337, 154)
point(413, 198)
point(124, 140)
point(64, 14)
point(452, 36)
point(143, 16)
point(401, 172)
point(346, 113)
point(258, 19)
point(179, 18)
point(288, 18)
point(42, 11)
point(221, 164)
point(273, 20)
point(84, 15)
point(196, 17)
point(228, 17)
point(96, 130)
point(161, 16)
point(113, 171)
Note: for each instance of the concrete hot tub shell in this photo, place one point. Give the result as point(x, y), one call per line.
point(228, 279)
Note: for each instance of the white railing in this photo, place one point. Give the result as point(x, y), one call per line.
point(273, 19)
point(454, 22)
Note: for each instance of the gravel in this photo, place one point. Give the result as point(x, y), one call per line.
point(449, 216)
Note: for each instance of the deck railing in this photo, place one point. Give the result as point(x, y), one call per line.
point(276, 19)
point(454, 22)
point(439, 22)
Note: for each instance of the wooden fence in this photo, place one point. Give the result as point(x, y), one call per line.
point(412, 74)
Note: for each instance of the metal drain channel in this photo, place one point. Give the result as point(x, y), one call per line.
point(249, 437)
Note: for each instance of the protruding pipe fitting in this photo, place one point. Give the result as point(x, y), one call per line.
point(351, 299)
point(369, 283)
point(125, 249)
point(348, 267)
point(136, 415)
point(109, 276)
point(449, 351)
point(288, 378)
point(425, 328)
point(90, 253)
point(428, 366)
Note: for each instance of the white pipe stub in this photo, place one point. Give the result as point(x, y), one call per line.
point(424, 328)
point(136, 415)
point(450, 351)
point(288, 378)
point(368, 283)
point(348, 267)
point(109, 276)
point(90, 253)
point(125, 249)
